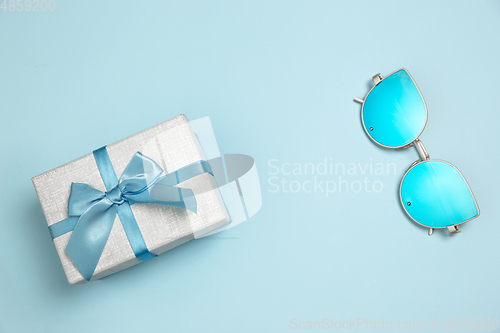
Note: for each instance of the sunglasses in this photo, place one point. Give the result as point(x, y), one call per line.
point(433, 193)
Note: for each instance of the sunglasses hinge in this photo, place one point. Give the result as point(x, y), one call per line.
point(453, 229)
point(377, 78)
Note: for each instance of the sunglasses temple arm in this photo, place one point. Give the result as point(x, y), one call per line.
point(377, 78)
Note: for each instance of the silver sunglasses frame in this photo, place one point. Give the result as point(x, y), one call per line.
point(377, 78)
point(424, 155)
point(453, 229)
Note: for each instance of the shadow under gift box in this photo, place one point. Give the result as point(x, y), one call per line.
point(172, 145)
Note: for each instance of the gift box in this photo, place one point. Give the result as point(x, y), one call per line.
point(130, 201)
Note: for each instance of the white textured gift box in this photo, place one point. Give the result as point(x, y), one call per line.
point(172, 145)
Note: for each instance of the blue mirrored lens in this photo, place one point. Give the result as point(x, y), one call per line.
point(394, 112)
point(435, 194)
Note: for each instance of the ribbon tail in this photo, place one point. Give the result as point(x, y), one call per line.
point(167, 195)
point(187, 172)
point(90, 236)
point(189, 199)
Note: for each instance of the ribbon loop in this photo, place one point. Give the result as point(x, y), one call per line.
point(81, 198)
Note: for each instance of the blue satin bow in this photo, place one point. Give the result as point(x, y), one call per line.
point(92, 212)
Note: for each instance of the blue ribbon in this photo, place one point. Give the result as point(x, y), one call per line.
point(92, 212)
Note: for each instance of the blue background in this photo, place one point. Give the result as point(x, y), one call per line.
point(277, 79)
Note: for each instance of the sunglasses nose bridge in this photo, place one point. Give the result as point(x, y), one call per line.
point(424, 155)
